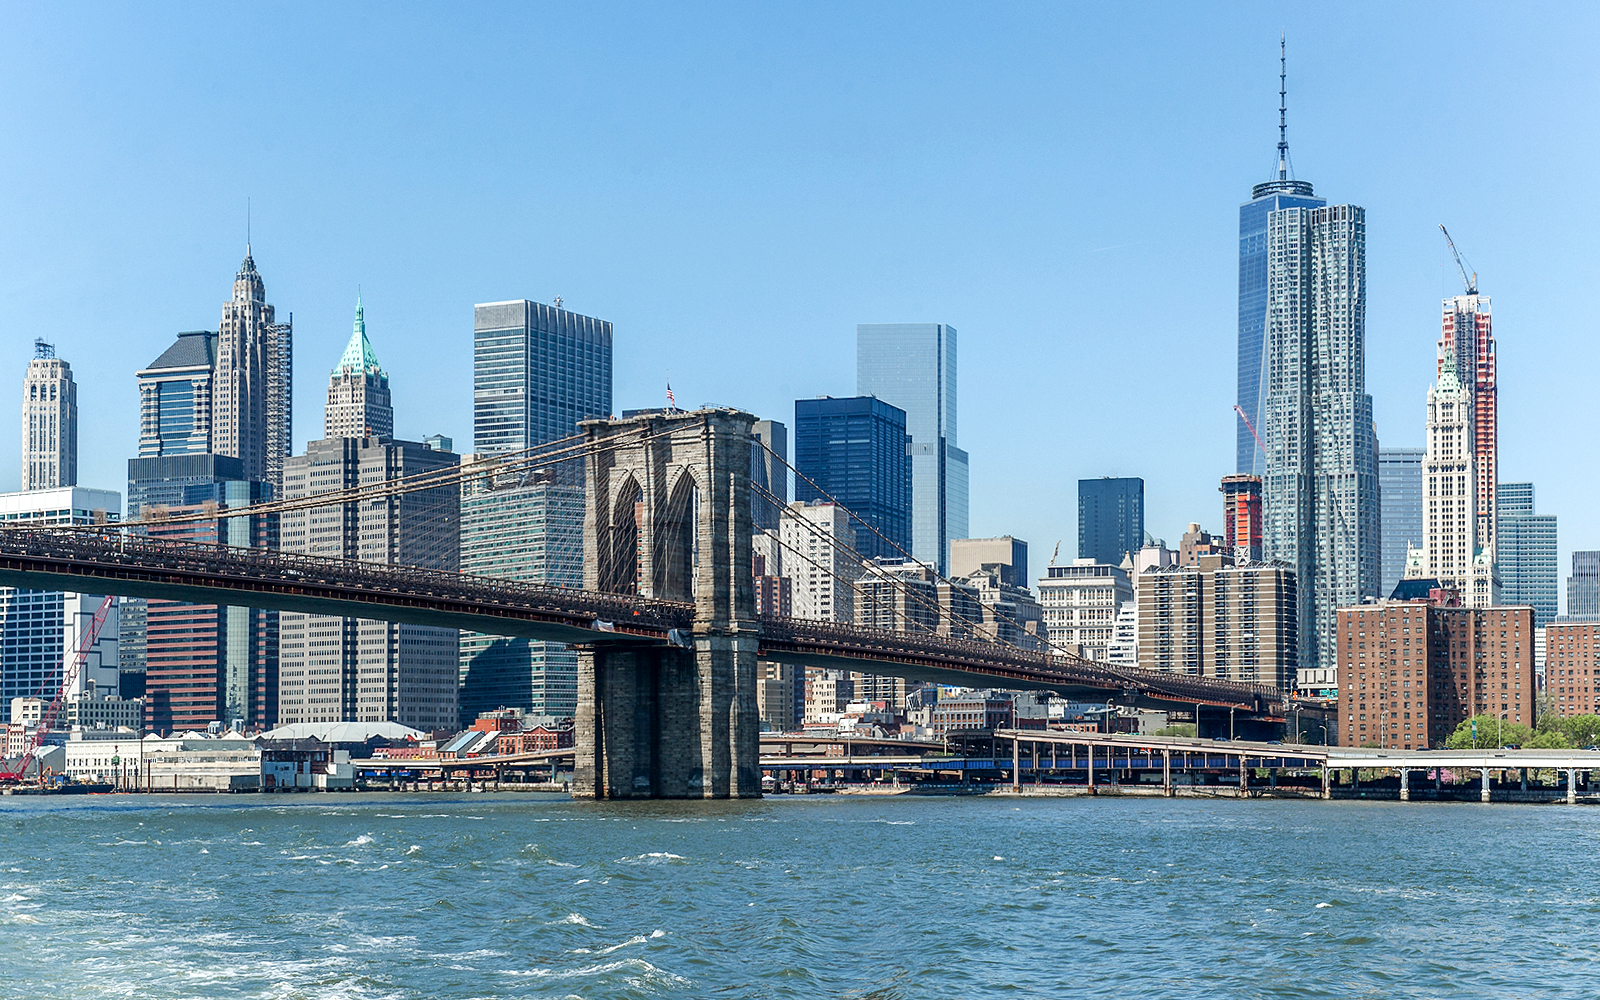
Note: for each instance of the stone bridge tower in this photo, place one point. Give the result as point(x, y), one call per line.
point(669, 518)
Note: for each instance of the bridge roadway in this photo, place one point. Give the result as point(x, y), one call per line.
point(135, 566)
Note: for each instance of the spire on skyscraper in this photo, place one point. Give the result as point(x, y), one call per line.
point(1284, 169)
point(358, 354)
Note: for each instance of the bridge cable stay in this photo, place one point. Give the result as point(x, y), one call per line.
point(888, 541)
point(976, 628)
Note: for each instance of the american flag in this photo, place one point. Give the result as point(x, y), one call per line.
point(672, 401)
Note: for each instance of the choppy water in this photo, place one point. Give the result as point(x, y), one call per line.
point(382, 896)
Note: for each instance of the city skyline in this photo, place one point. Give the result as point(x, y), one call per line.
point(1010, 357)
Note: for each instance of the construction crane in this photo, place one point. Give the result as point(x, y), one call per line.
point(47, 718)
point(1240, 411)
point(1470, 282)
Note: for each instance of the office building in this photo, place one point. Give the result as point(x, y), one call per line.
point(1400, 494)
point(358, 391)
point(1216, 619)
point(536, 371)
point(816, 540)
point(781, 697)
point(1583, 587)
point(1526, 557)
point(854, 451)
point(1467, 340)
point(1320, 503)
point(528, 527)
point(913, 366)
point(358, 670)
point(898, 595)
point(40, 629)
point(1010, 614)
point(1110, 518)
point(1410, 671)
point(1453, 552)
point(49, 422)
point(175, 398)
point(206, 663)
point(1008, 555)
point(253, 385)
point(1572, 667)
point(1080, 604)
point(1279, 194)
point(769, 457)
point(1241, 516)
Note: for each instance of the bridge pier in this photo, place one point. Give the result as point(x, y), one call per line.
point(668, 517)
point(1572, 785)
point(1405, 784)
point(1483, 795)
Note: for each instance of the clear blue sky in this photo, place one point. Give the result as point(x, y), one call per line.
point(736, 187)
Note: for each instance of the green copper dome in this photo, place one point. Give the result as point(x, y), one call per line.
point(358, 354)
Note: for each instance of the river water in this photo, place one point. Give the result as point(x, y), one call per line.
point(517, 895)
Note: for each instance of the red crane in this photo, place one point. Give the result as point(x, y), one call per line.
point(91, 635)
point(1240, 411)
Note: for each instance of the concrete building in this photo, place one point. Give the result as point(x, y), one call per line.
point(1453, 551)
point(1466, 342)
point(1110, 518)
point(1572, 667)
point(253, 386)
point(1008, 555)
point(86, 711)
point(536, 371)
point(49, 422)
point(1197, 542)
point(1010, 613)
point(358, 670)
point(1410, 671)
point(973, 710)
point(358, 390)
point(898, 595)
point(781, 697)
point(524, 526)
point(1231, 622)
point(1400, 486)
point(817, 539)
point(913, 366)
point(1526, 553)
point(1583, 586)
point(1080, 604)
point(854, 452)
point(40, 629)
point(1123, 650)
point(1241, 516)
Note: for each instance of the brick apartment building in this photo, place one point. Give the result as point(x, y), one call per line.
point(1411, 671)
point(1572, 667)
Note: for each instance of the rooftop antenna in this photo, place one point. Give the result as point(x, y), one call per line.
point(558, 302)
point(247, 227)
point(42, 349)
point(1283, 107)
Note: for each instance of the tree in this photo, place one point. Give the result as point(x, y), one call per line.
point(1492, 732)
point(1177, 729)
point(1581, 730)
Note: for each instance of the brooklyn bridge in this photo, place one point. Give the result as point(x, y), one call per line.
point(665, 625)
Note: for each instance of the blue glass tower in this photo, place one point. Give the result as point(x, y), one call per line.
point(855, 450)
point(1265, 198)
point(1110, 519)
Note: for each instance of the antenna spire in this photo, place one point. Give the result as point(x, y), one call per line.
point(247, 227)
point(1283, 107)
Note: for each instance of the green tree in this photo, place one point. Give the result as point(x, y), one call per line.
point(1492, 732)
point(1177, 729)
point(1581, 730)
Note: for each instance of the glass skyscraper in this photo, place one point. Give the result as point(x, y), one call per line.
point(1110, 519)
point(913, 366)
point(1525, 553)
point(1400, 489)
point(537, 371)
point(1583, 586)
point(854, 449)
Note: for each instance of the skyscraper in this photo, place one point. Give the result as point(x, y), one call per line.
point(1110, 519)
point(769, 454)
point(1583, 586)
point(855, 450)
point(1453, 552)
point(1525, 553)
point(349, 669)
point(1400, 492)
point(175, 399)
point(1282, 192)
point(913, 366)
point(49, 422)
point(1467, 336)
point(536, 371)
point(358, 392)
point(251, 394)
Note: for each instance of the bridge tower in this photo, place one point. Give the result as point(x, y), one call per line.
point(669, 518)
